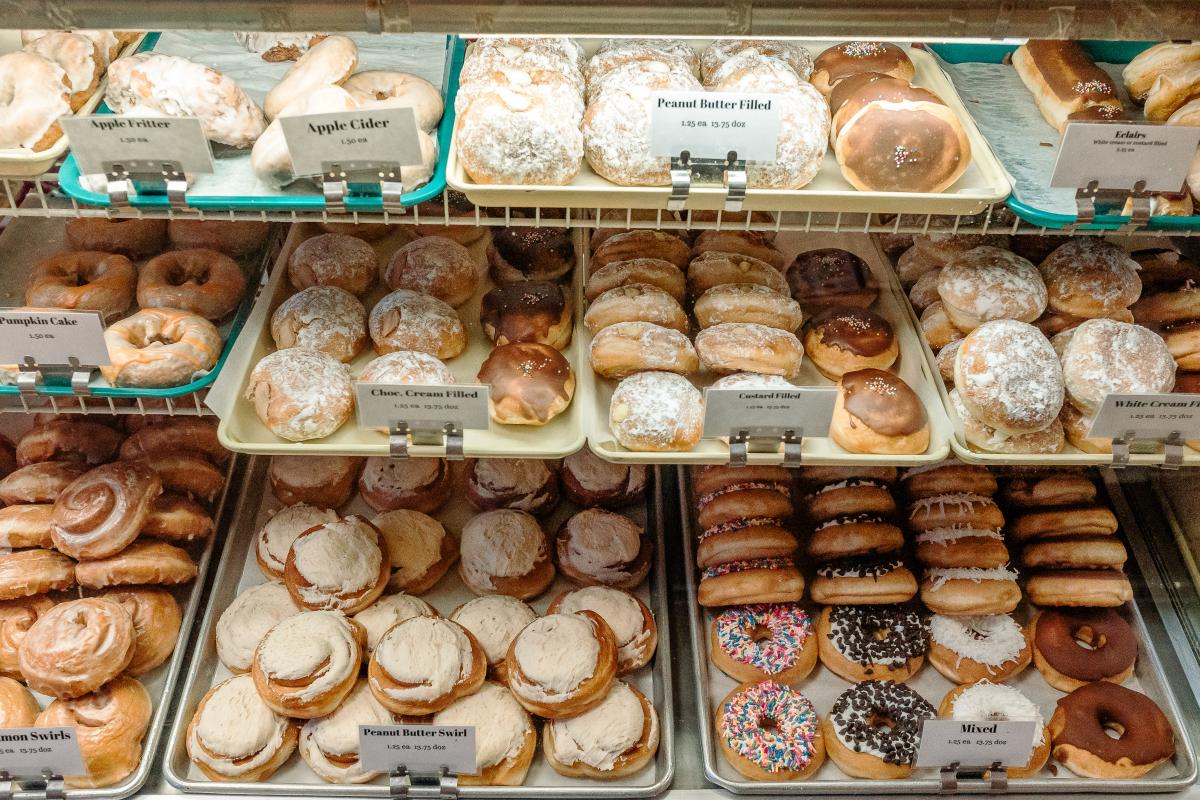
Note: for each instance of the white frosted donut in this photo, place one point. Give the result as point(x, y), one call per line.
point(33, 94)
point(378, 88)
point(722, 50)
point(109, 42)
point(551, 86)
point(1008, 376)
point(278, 46)
point(1103, 356)
point(672, 47)
point(514, 137)
point(160, 347)
point(270, 158)
point(176, 87)
point(406, 366)
point(301, 394)
point(79, 56)
point(331, 61)
point(752, 59)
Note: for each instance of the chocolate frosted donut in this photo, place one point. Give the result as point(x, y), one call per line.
point(523, 253)
point(527, 311)
point(845, 338)
point(830, 276)
point(531, 383)
point(1072, 647)
point(877, 412)
point(1080, 729)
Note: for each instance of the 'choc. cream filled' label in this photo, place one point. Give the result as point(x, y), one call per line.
point(381, 405)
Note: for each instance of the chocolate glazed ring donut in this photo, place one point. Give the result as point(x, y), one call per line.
point(1080, 734)
point(1072, 647)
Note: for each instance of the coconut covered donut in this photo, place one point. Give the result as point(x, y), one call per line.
point(1008, 376)
point(34, 93)
point(331, 61)
point(508, 136)
point(176, 87)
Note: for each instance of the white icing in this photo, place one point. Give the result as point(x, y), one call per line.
point(428, 653)
point(993, 640)
point(414, 543)
point(388, 611)
point(337, 735)
point(992, 701)
point(600, 736)
point(236, 725)
point(554, 654)
point(276, 537)
point(247, 620)
point(620, 610)
point(315, 646)
point(938, 576)
point(601, 544)
point(494, 620)
point(955, 532)
point(503, 543)
point(341, 558)
point(310, 472)
point(501, 724)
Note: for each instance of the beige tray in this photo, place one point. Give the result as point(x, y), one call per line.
point(241, 431)
point(982, 184)
point(912, 366)
point(26, 163)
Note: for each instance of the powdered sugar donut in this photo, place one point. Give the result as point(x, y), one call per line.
point(550, 85)
point(488, 55)
point(721, 51)
point(604, 62)
point(79, 57)
point(674, 47)
point(436, 266)
point(1089, 277)
point(333, 259)
point(507, 136)
point(656, 411)
point(323, 318)
point(331, 61)
point(408, 320)
point(34, 93)
point(616, 131)
point(1009, 377)
point(406, 366)
point(653, 73)
point(1105, 357)
point(301, 394)
point(979, 436)
point(379, 88)
point(988, 283)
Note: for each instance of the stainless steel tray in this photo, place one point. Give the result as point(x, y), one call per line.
point(239, 570)
point(161, 682)
point(822, 686)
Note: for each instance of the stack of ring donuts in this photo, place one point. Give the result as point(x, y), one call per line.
point(96, 526)
point(177, 297)
point(868, 632)
point(400, 617)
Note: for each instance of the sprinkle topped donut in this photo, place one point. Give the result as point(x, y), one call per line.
point(749, 564)
point(791, 744)
point(788, 627)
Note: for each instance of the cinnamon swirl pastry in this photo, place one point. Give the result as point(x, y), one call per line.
point(16, 618)
point(30, 572)
point(39, 483)
point(424, 664)
point(329, 745)
point(235, 736)
point(26, 526)
point(337, 565)
point(102, 511)
point(156, 619)
point(245, 621)
point(77, 647)
point(602, 548)
point(306, 665)
point(109, 725)
point(140, 563)
point(562, 665)
point(18, 707)
point(418, 548)
point(505, 737)
point(505, 552)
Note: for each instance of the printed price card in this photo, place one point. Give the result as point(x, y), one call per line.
point(52, 337)
point(769, 412)
point(139, 143)
point(25, 752)
point(420, 748)
point(353, 139)
point(710, 124)
point(1149, 416)
point(381, 404)
point(1118, 155)
point(976, 744)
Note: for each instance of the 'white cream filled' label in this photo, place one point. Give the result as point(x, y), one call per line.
point(419, 748)
point(976, 744)
point(52, 337)
point(140, 144)
point(769, 412)
point(27, 752)
point(354, 140)
point(1147, 416)
point(711, 124)
point(381, 405)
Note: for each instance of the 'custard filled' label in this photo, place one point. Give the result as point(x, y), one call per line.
point(27, 752)
point(1147, 416)
point(419, 748)
point(805, 411)
point(1119, 155)
point(711, 124)
point(981, 743)
point(140, 144)
point(52, 337)
point(354, 140)
point(381, 405)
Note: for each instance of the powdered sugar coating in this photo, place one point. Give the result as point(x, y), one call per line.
point(301, 394)
point(518, 138)
point(436, 266)
point(558, 46)
point(616, 131)
point(743, 346)
point(643, 344)
point(651, 72)
point(1105, 357)
point(721, 51)
point(406, 366)
point(488, 56)
point(988, 283)
point(1089, 276)
point(752, 380)
point(333, 259)
point(324, 318)
point(1009, 377)
point(981, 436)
point(752, 58)
point(552, 86)
point(656, 411)
point(409, 320)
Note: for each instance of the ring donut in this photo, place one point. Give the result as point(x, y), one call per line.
point(83, 281)
point(160, 348)
point(1072, 647)
point(790, 748)
point(764, 642)
point(873, 642)
point(1079, 731)
point(203, 282)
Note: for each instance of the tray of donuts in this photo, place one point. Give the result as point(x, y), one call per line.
point(1029, 334)
point(521, 597)
point(173, 294)
point(107, 528)
point(571, 120)
point(818, 660)
point(406, 307)
point(771, 312)
point(52, 74)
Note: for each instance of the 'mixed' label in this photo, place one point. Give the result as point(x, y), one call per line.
point(27, 752)
point(52, 337)
point(139, 143)
point(419, 748)
point(976, 743)
point(806, 411)
point(352, 139)
point(1148, 416)
point(1118, 155)
point(711, 124)
point(380, 405)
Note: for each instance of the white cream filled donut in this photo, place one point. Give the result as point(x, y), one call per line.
point(424, 664)
point(235, 736)
point(306, 665)
point(505, 738)
point(275, 539)
point(329, 745)
point(246, 620)
point(494, 620)
point(389, 611)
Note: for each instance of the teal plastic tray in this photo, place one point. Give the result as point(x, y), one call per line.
point(1101, 51)
point(362, 197)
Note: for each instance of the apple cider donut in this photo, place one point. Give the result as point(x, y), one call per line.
point(562, 665)
point(330, 61)
point(234, 735)
point(306, 665)
point(424, 664)
point(203, 282)
point(160, 348)
point(83, 281)
point(77, 647)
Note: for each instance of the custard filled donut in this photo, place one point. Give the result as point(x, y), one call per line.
point(863, 580)
point(377, 88)
point(909, 146)
point(712, 269)
point(18, 707)
point(853, 535)
point(945, 361)
point(871, 642)
point(562, 665)
point(83, 281)
point(991, 701)
point(742, 538)
point(843, 339)
point(409, 679)
point(1040, 490)
point(330, 61)
point(140, 563)
point(1077, 426)
point(831, 277)
point(16, 618)
point(322, 481)
point(970, 591)
point(234, 735)
point(603, 548)
point(494, 621)
point(330, 745)
point(748, 302)
point(590, 481)
point(26, 573)
point(40, 88)
point(174, 517)
point(1082, 726)
point(505, 552)
point(1049, 523)
point(418, 548)
point(323, 318)
point(531, 383)
point(913, 264)
point(1075, 552)
point(527, 311)
point(333, 259)
point(1108, 357)
point(1009, 377)
point(625, 348)
point(496, 134)
point(877, 412)
point(301, 394)
point(103, 510)
point(306, 665)
point(770, 732)
point(246, 620)
point(860, 746)
point(775, 642)
point(852, 58)
point(989, 283)
point(530, 253)
point(1074, 647)
point(234, 239)
point(1089, 277)
point(529, 485)
point(652, 271)
point(635, 303)
point(132, 238)
point(849, 496)
point(755, 580)
point(656, 412)
point(435, 266)
point(501, 759)
point(417, 484)
point(615, 739)
point(630, 620)
point(755, 244)
point(337, 565)
point(962, 546)
point(974, 648)
point(948, 477)
point(77, 647)
point(160, 348)
point(274, 540)
point(203, 282)
point(749, 347)
point(156, 620)
point(68, 441)
point(109, 725)
point(26, 526)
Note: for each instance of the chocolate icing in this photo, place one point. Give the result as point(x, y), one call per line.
point(1085, 712)
point(536, 373)
point(860, 89)
point(1069, 71)
point(535, 250)
point(901, 149)
point(855, 330)
point(883, 402)
point(1054, 637)
point(524, 311)
point(851, 58)
point(827, 271)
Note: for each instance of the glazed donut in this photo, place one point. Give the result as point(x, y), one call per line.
point(652, 271)
point(435, 266)
point(531, 383)
point(274, 539)
point(18, 707)
point(174, 86)
point(424, 664)
point(323, 318)
point(190, 475)
point(764, 642)
point(988, 283)
point(635, 302)
point(754, 244)
point(562, 665)
point(140, 563)
point(1076, 646)
point(109, 725)
point(203, 282)
point(332, 60)
point(1075, 552)
point(948, 477)
point(529, 485)
point(522, 253)
point(941, 511)
point(379, 88)
point(306, 665)
point(863, 580)
point(749, 347)
point(132, 238)
point(26, 526)
point(330, 745)
point(755, 580)
point(102, 511)
point(36, 94)
point(853, 535)
point(863, 749)
point(505, 552)
point(234, 239)
point(872, 642)
point(967, 649)
point(83, 281)
point(1107, 357)
point(418, 548)
point(156, 620)
point(769, 731)
point(160, 348)
point(16, 618)
point(630, 620)
point(831, 277)
point(333, 259)
point(1089, 277)
point(712, 269)
point(615, 739)
point(1062, 488)
point(167, 435)
point(337, 565)
point(419, 484)
point(494, 621)
point(174, 517)
point(849, 496)
point(502, 759)
point(245, 621)
point(851, 58)
point(991, 701)
point(961, 546)
point(1009, 377)
point(624, 348)
point(527, 311)
point(496, 136)
point(25, 573)
point(68, 440)
point(300, 394)
point(270, 158)
point(595, 547)
point(656, 412)
point(275, 47)
point(1079, 731)
point(234, 735)
point(1043, 523)
point(76, 647)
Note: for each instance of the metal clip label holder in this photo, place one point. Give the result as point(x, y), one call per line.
point(446, 434)
point(336, 180)
point(996, 776)
point(30, 375)
point(122, 175)
point(55, 787)
point(404, 784)
point(744, 441)
point(685, 170)
point(1173, 449)
point(1086, 198)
